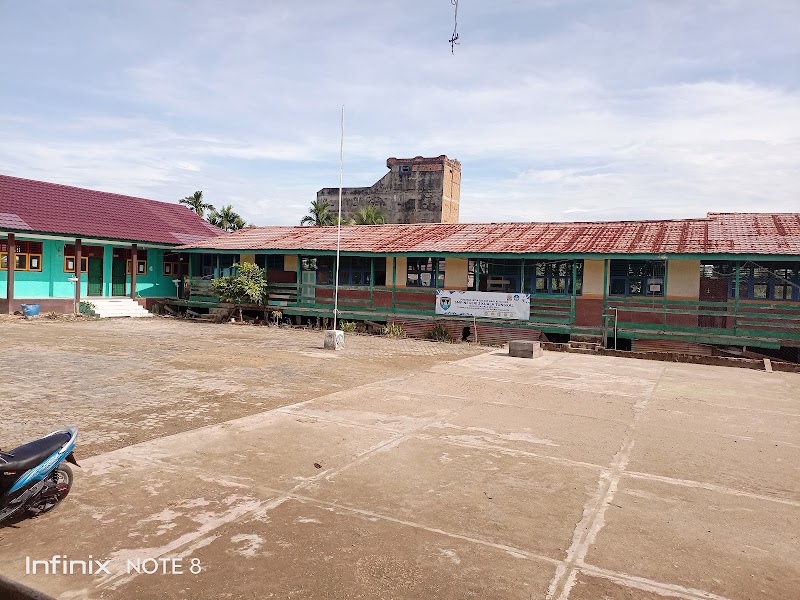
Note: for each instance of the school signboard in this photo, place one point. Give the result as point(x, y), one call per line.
point(494, 305)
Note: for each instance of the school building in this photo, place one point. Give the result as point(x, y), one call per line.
point(60, 245)
point(726, 281)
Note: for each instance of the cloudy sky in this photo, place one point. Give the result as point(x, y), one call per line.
point(557, 109)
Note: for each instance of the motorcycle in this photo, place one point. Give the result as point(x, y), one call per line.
point(34, 477)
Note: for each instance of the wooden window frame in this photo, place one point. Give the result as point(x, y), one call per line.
point(23, 251)
point(140, 264)
point(84, 264)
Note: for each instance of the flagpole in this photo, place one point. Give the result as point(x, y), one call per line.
point(339, 224)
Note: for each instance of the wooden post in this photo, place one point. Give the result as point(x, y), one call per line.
point(394, 282)
point(372, 282)
point(182, 289)
point(11, 257)
point(78, 272)
point(134, 269)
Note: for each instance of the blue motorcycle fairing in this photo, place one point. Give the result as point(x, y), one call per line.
point(44, 468)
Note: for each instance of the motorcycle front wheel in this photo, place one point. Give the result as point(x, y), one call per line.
point(59, 483)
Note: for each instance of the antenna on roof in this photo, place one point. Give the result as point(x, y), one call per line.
point(454, 39)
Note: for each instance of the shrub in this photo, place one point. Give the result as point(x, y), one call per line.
point(52, 315)
point(439, 333)
point(248, 285)
point(347, 326)
point(86, 308)
point(394, 330)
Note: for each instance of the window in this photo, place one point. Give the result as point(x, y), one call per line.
point(425, 272)
point(208, 265)
point(767, 281)
point(226, 262)
point(553, 277)
point(69, 264)
point(86, 253)
point(637, 278)
point(270, 262)
point(499, 275)
point(405, 169)
point(127, 254)
point(28, 256)
point(141, 267)
point(353, 270)
point(175, 264)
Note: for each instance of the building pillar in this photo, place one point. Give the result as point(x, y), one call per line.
point(78, 272)
point(134, 270)
point(11, 257)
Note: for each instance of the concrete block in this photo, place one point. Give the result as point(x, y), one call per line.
point(334, 339)
point(524, 349)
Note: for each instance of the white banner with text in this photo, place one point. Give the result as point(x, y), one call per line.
point(495, 305)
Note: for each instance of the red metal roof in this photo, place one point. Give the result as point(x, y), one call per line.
point(28, 205)
point(718, 233)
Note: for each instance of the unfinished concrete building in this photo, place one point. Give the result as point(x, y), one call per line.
point(415, 190)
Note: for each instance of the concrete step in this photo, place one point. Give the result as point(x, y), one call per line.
point(584, 346)
point(107, 308)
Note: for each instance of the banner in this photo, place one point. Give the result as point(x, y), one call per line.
point(494, 305)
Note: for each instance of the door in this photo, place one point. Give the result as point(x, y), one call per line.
point(308, 290)
point(95, 276)
point(118, 277)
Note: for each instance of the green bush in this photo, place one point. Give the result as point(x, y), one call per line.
point(439, 333)
point(347, 326)
point(394, 330)
point(248, 285)
point(86, 308)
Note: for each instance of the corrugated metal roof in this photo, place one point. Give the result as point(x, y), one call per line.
point(718, 233)
point(28, 205)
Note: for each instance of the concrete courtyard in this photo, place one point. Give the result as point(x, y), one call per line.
point(399, 468)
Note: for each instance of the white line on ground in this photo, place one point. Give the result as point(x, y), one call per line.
point(648, 585)
point(594, 510)
point(711, 487)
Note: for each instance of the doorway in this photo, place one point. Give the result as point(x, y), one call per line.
point(94, 276)
point(118, 277)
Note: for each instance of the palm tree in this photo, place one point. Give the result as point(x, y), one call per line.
point(319, 215)
point(196, 204)
point(225, 218)
point(369, 215)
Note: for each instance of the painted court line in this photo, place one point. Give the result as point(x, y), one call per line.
point(593, 518)
point(649, 585)
point(711, 487)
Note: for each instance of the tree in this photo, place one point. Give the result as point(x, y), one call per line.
point(369, 215)
point(226, 218)
point(319, 215)
point(196, 204)
point(248, 285)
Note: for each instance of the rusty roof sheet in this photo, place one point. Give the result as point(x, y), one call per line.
point(718, 233)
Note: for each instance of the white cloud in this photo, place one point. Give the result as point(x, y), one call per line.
point(557, 110)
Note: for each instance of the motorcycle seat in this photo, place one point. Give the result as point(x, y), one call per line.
point(31, 454)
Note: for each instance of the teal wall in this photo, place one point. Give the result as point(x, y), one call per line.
point(53, 282)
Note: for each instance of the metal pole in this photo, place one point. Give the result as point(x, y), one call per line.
point(339, 224)
point(616, 317)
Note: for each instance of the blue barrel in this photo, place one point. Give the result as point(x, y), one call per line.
point(30, 310)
